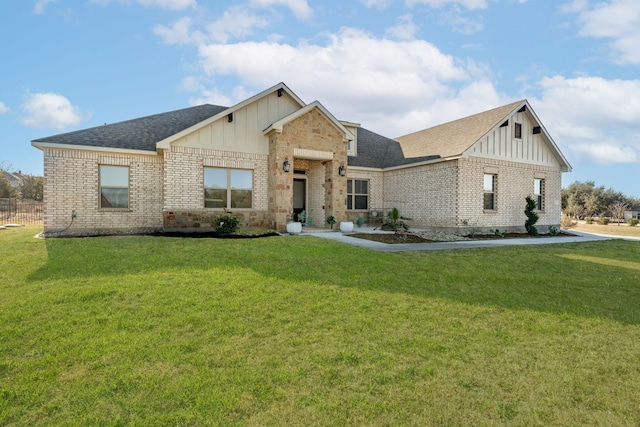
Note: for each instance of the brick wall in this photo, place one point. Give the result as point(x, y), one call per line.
point(184, 187)
point(71, 184)
point(514, 184)
point(426, 194)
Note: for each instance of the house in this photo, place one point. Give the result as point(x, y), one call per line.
point(273, 155)
point(632, 211)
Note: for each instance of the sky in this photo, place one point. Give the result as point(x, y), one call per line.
point(395, 66)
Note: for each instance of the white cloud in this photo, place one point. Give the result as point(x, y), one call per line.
point(378, 4)
point(392, 87)
point(179, 32)
point(460, 23)
point(594, 117)
point(236, 22)
point(616, 20)
point(300, 8)
point(3, 108)
point(163, 4)
point(469, 4)
point(405, 29)
point(38, 8)
point(49, 110)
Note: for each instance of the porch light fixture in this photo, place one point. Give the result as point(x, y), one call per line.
point(342, 171)
point(286, 166)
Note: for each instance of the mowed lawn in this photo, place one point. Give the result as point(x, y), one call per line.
point(305, 331)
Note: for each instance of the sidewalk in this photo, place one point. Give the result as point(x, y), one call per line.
point(337, 236)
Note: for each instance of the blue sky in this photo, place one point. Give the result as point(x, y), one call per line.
point(393, 66)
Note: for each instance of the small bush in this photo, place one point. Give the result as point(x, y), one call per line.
point(588, 220)
point(566, 222)
point(603, 221)
point(226, 224)
point(532, 216)
point(553, 230)
point(632, 222)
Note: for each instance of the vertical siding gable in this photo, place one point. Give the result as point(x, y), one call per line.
point(501, 144)
point(244, 133)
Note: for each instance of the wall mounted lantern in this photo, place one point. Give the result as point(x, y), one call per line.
point(286, 166)
point(342, 171)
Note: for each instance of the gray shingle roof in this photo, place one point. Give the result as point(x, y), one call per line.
point(377, 151)
point(137, 134)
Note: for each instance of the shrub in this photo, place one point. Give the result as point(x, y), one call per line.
point(226, 224)
point(632, 222)
point(532, 216)
point(331, 220)
point(553, 230)
point(588, 220)
point(360, 221)
point(604, 221)
point(566, 222)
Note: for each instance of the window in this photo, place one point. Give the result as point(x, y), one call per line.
point(538, 193)
point(489, 192)
point(357, 194)
point(517, 130)
point(114, 187)
point(228, 188)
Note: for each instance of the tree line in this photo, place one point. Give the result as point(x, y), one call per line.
point(29, 186)
point(584, 199)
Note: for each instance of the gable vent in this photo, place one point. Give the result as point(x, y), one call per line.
point(505, 124)
point(230, 117)
point(280, 92)
point(523, 109)
point(536, 130)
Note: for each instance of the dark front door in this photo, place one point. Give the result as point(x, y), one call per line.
point(299, 196)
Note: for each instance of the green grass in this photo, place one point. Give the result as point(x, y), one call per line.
point(306, 331)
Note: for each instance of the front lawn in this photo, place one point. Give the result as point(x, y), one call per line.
point(142, 330)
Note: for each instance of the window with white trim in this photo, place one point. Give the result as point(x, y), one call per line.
point(357, 194)
point(538, 193)
point(228, 188)
point(490, 192)
point(114, 187)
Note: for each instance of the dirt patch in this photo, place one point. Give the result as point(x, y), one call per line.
point(428, 237)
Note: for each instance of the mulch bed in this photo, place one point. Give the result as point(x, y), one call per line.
point(393, 238)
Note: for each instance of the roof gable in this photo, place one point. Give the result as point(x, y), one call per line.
point(278, 125)
point(281, 88)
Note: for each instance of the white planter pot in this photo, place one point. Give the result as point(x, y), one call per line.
point(346, 226)
point(294, 227)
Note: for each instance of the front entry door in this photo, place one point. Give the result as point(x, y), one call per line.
point(299, 196)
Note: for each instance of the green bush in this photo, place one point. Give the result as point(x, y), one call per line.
point(588, 220)
point(603, 221)
point(632, 222)
point(226, 224)
point(360, 221)
point(553, 230)
point(532, 216)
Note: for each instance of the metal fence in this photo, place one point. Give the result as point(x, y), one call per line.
point(18, 211)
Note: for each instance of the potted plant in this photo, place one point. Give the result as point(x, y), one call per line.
point(331, 220)
point(294, 227)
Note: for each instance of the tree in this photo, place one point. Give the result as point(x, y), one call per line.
point(532, 216)
point(617, 209)
point(6, 190)
point(584, 198)
point(31, 187)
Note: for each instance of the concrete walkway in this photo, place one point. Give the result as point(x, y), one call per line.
point(337, 236)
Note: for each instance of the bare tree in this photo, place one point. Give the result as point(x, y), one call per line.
point(617, 209)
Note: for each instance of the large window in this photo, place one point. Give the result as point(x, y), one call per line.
point(538, 193)
point(228, 188)
point(489, 192)
point(114, 187)
point(357, 194)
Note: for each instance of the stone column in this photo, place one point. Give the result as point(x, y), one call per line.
point(280, 183)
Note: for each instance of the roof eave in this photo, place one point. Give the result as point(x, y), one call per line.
point(54, 145)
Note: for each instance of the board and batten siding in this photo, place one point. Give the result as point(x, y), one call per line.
point(501, 144)
point(245, 132)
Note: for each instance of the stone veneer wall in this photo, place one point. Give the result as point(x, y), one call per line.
point(184, 187)
point(514, 183)
point(71, 184)
point(426, 194)
point(311, 131)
